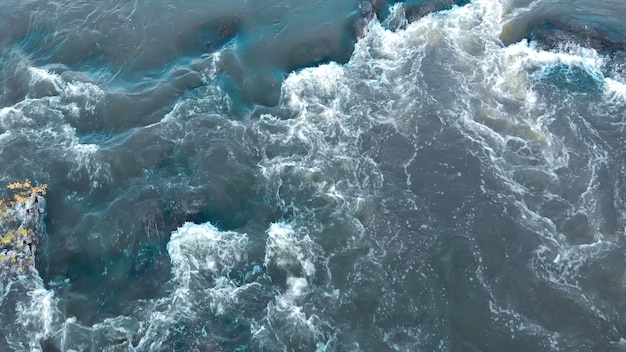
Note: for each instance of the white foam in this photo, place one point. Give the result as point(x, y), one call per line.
point(197, 248)
point(615, 89)
point(37, 316)
point(202, 259)
point(297, 286)
point(287, 251)
point(45, 123)
point(40, 75)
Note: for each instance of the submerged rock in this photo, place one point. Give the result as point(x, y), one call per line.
point(554, 34)
point(558, 35)
point(416, 9)
point(21, 227)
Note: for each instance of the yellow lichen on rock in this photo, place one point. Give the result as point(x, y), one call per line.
point(26, 190)
point(8, 238)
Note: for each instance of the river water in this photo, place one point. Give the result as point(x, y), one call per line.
point(318, 176)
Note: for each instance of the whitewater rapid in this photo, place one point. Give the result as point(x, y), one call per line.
point(455, 185)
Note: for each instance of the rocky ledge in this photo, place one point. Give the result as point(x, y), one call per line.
point(21, 227)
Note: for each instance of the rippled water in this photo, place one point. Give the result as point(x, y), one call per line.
point(318, 176)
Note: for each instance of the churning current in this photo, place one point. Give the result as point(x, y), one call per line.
point(318, 176)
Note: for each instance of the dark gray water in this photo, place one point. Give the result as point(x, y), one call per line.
point(318, 176)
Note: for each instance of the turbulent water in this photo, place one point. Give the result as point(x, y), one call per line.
point(318, 176)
